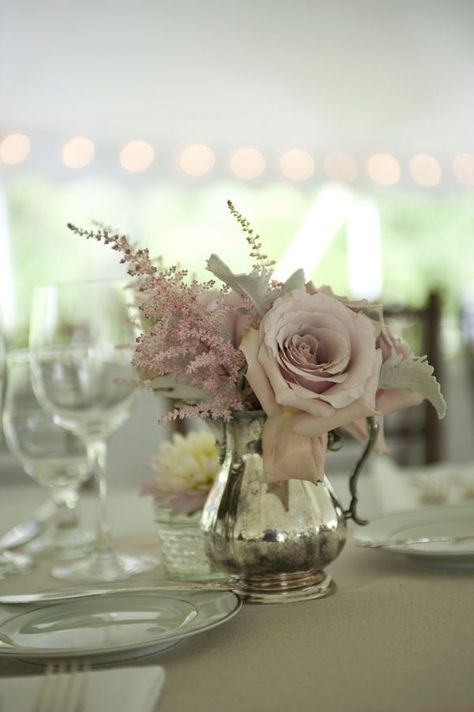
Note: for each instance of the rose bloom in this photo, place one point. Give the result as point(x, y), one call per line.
point(235, 319)
point(387, 400)
point(314, 366)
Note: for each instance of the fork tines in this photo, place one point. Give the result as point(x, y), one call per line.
point(63, 687)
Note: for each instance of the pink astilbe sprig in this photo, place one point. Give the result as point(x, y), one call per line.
point(183, 335)
point(261, 260)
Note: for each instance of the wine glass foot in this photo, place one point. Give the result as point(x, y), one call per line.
point(105, 566)
point(13, 564)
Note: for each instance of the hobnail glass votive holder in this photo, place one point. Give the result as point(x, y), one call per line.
point(183, 554)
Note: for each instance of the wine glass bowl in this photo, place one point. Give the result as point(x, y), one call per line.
point(80, 340)
point(50, 455)
point(10, 563)
point(85, 390)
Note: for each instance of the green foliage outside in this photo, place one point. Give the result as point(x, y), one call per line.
point(428, 237)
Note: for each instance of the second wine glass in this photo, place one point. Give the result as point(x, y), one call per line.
point(10, 563)
point(51, 455)
point(80, 346)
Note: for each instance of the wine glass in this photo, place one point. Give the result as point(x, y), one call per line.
point(51, 455)
point(80, 344)
point(10, 563)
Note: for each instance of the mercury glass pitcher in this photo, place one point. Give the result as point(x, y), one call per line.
point(274, 539)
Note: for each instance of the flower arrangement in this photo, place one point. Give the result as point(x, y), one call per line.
point(312, 360)
point(184, 468)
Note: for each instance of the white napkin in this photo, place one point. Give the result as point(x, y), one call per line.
point(400, 489)
point(120, 689)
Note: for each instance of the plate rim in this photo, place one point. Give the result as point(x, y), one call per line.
point(17, 651)
point(407, 550)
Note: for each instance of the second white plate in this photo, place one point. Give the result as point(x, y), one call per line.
point(442, 524)
point(114, 627)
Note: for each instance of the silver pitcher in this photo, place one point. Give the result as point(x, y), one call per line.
point(274, 539)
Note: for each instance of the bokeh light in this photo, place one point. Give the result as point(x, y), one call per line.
point(137, 156)
point(341, 167)
point(14, 148)
point(197, 160)
point(297, 164)
point(463, 168)
point(384, 169)
point(425, 170)
point(78, 152)
point(247, 163)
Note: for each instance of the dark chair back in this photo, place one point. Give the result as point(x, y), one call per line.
point(415, 435)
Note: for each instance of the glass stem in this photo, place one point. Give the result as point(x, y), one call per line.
point(97, 452)
point(65, 501)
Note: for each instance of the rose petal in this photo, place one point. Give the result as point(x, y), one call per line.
point(363, 362)
point(233, 322)
point(389, 400)
point(361, 408)
point(284, 395)
point(337, 350)
point(296, 308)
point(256, 375)
point(289, 455)
point(315, 366)
point(308, 389)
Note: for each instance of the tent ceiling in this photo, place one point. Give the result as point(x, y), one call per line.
point(342, 75)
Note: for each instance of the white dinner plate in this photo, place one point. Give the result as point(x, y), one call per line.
point(116, 627)
point(435, 523)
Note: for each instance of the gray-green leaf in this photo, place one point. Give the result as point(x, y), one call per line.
point(253, 285)
point(295, 281)
point(414, 375)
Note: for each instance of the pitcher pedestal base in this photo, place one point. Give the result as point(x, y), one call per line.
point(284, 588)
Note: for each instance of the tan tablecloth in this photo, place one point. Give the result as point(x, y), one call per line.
point(393, 638)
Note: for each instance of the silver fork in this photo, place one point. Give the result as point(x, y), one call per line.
point(63, 688)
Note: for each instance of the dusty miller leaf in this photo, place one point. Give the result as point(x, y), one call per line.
point(413, 375)
point(253, 285)
point(296, 281)
point(373, 312)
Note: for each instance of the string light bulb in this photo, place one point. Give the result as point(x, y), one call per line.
point(341, 167)
point(14, 148)
point(463, 168)
point(425, 170)
point(297, 164)
point(384, 169)
point(137, 156)
point(78, 152)
point(247, 163)
point(197, 160)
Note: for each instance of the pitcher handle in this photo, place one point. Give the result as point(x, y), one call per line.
point(351, 512)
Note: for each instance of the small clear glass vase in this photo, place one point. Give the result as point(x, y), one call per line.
point(183, 554)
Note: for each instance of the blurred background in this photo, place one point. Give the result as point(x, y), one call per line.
point(343, 131)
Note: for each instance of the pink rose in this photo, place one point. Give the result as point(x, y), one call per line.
point(314, 365)
point(373, 311)
point(235, 320)
point(388, 400)
point(391, 345)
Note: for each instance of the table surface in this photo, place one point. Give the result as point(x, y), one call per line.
point(392, 638)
